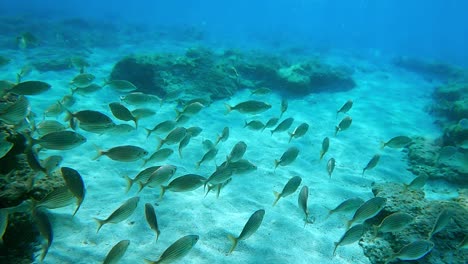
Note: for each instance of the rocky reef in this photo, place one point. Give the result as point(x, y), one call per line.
point(379, 249)
point(430, 69)
point(202, 71)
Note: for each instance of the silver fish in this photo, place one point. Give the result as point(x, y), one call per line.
point(393, 223)
point(331, 166)
point(126, 153)
point(121, 112)
point(343, 125)
point(325, 146)
point(249, 229)
point(174, 137)
point(397, 142)
point(368, 210)
point(288, 157)
point(345, 108)
point(290, 187)
point(249, 107)
point(117, 252)
point(372, 163)
point(224, 135)
point(209, 155)
point(300, 131)
point(120, 214)
point(237, 152)
point(45, 229)
point(75, 184)
point(283, 126)
point(142, 176)
point(151, 219)
point(121, 85)
point(177, 250)
point(350, 236)
point(413, 251)
point(159, 155)
point(347, 205)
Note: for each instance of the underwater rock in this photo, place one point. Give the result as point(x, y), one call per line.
point(424, 160)
point(450, 102)
point(429, 69)
point(425, 213)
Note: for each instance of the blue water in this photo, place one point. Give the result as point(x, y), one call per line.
point(433, 29)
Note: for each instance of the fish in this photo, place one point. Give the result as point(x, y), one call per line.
point(79, 63)
point(89, 119)
point(30, 88)
point(83, 80)
point(151, 219)
point(271, 122)
point(288, 157)
point(224, 136)
point(260, 91)
point(183, 143)
point(68, 100)
point(372, 163)
point(120, 214)
point(209, 155)
point(254, 125)
point(325, 146)
point(416, 183)
point(331, 166)
point(443, 219)
point(177, 250)
point(194, 131)
point(162, 127)
point(121, 112)
point(55, 109)
point(23, 72)
point(75, 184)
point(219, 176)
point(300, 131)
point(142, 176)
point(57, 198)
point(464, 243)
point(3, 224)
point(126, 153)
point(16, 112)
point(249, 229)
point(48, 126)
point(347, 205)
point(159, 155)
point(284, 107)
point(206, 101)
point(413, 251)
point(117, 252)
point(158, 177)
point(85, 90)
point(249, 107)
point(138, 98)
point(237, 152)
point(45, 229)
point(350, 236)
point(397, 142)
point(343, 125)
point(208, 144)
point(141, 113)
point(241, 166)
point(185, 183)
point(345, 108)
point(218, 187)
point(61, 140)
point(302, 203)
point(121, 85)
point(367, 210)
point(121, 129)
point(182, 119)
point(174, 137)
point(290, 187)
point(393, 223)
point(5, 147)
point(190, 109)
point(33, 161)
point(283, 126)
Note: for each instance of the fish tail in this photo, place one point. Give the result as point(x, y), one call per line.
point(245, 123)
point(234, 241)
point(161, 142)
point(178, 113)
point(148, 132)
point(135, 119)
point(336, 130)
point(336, 246)
point(363, 170)
point(100, 223)
point(322, 153)
point(272, 131)
point(277, 162)
point(45, 250)
point(163, 191)
point(78, 207)
point(130, 183)
point(99, 153)
point(180, 153)
point(291, 135)
point(376, 231)
point(218, 190)
point(141, 186)
point(228, 108)
point(278, 196)
point(382, 145)
point(197, 164)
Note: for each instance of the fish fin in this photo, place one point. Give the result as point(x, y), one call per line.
point(45, 250)
point(147, 261)
point(228, 108)
point(277, 197)
point(234, 241)
point(130, 183)
point(100, 223)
